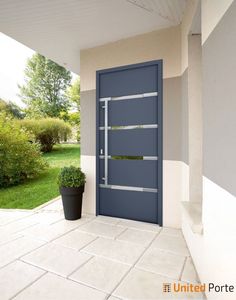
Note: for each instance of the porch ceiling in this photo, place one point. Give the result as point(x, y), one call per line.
point(59, 29)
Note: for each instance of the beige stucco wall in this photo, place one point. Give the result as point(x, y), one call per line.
point(163, 44)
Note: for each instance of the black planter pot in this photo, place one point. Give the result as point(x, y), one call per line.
point(72, 202)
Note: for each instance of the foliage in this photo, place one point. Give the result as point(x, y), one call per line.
point(3, 104)
point(73, 116)
point(19, 159)
point(45, 86)
point(47, 132)
point(37, 191)
point(73, 93)
point(71, 177)
point(15, 111)
point(11, 109)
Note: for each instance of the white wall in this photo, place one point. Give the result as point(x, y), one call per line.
point(88, 165)
point(212, 12)
point(186, 24)
point(214, 251)
point(173, 192)
point(195, 117)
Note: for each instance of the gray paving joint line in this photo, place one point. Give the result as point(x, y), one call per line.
point(61, 276)
point(118, 235)
point(44, 244)
point(17, 219)
point(28, 285)
point(183, 267)
point(52, 240)
point(135, 263)
point(20, 258)
point(75, 270)
point(123, 277)
point(7, 242)
point(31, 225)
point(27, 227)
point(89, 286)
point(95, 238)
point(63, 234)
point(57, 221)
point(11, 262)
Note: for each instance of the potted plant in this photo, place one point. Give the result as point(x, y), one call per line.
point(71, 182)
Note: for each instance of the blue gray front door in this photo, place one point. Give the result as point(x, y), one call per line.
point(129, 142)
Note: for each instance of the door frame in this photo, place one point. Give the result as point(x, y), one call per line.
point(159, 64)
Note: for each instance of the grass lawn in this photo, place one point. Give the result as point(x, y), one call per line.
point(37, 191)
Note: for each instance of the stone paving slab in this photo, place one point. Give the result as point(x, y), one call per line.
point(43, 256)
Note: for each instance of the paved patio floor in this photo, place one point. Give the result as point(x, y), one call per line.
point(42, 256)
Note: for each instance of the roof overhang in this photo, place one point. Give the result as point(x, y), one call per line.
point(59, 29)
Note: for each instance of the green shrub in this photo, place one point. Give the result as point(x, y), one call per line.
point(71, 177)
point(47, 132)
point(19, 158)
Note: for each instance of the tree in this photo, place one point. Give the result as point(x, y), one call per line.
point(73, 116)
point(73, 94)
point(3, 105)
point(45, 85)
point(12, 109)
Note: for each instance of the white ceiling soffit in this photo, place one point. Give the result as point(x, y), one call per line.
point(59, 29)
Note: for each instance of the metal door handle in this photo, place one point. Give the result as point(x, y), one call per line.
point(106, 142)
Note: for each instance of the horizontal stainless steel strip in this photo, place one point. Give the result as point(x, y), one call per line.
point(105, 99)
point(128, 188)
point(129, 127)
point(144, 157)
point(150, 157)
point(102, 128)
point(151, 94)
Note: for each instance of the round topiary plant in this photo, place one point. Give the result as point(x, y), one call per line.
point(71, 182)
point(71, 177)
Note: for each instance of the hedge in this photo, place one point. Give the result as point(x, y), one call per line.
point(47, 132)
